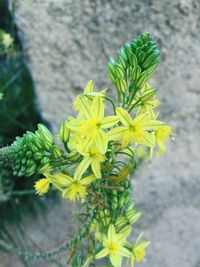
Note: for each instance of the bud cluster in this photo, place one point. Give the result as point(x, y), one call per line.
point(135, 63)
point(33, 152)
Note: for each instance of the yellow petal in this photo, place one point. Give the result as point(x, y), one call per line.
point(162, 147)
point(65, 193)
point(74, 124)
point(85, 146)
point(88, 180)
point(132, 259)
point(102, 141)
point(89, 87)
point(117, 133)
point(144, 244)
point(127, 139)
point(139, 254)
point(103, 253)
point(148, 139)
point(103, 91)
point(85, 107)
point(42, 186)
point(96, 167)
point(97, 108)
point(152, 124)
point(99, 236)
point(124, 233)
point(109, 121)
point(124, 252)
point(111, 233)
point(124, 116)
point(116, 260)
point(82, 167)
point(141, 118)
point(61, 179)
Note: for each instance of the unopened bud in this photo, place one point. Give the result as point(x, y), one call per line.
point(147, 95)
point(119, 71)
point(57, 152)
point(111, 70)
point(64, 132)
point(121, 85)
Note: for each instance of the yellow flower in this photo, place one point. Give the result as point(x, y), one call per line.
point(138, 252)
point(92, 127)
point(7, 40)
point(88, 90)
point(113, 245)
point(148, 107)
point(91, 157)
point(162, 134)
point(71, 188)
point(42, 186)
point(135, 131)
point(145, 101)
point(77, 189)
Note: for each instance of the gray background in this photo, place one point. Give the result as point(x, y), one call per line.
point(68, 42)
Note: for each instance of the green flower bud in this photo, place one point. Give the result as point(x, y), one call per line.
point(30, 162)
point(64, 132)
point(34, 148)
point(47, 145)
point(73, 156)
point(38, 142)
point(119, 71)
point(45, 133)
point(31, 152)
point(44, 160)
point(111, 70)
point(121, 221)
point(45, 168)
point(142, 79)
point(38, 155)
point(57, 152)
point(147, 95)
point(128, 51)
point(133, 216)
point(141, 56)
point(152, 69)
point(121, 85)
point(151, 60)
point(133, 60)
point(135, 74)
point(122, 59)
point(30, 171)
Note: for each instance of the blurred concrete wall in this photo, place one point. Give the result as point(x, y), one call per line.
point(68, 42)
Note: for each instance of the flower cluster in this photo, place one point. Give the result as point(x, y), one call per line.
point(94, 165)
point(6, 43)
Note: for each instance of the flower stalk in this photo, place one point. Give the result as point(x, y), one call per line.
point(99, 155)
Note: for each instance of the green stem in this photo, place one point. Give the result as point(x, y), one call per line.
point(112, 103)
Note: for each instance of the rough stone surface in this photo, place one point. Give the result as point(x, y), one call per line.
point(67, 42)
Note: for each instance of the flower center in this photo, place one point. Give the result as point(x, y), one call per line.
point(136, 132)
point(90, 127)
point(77, 191)
point(94, 153)
point(112, 247)
point(164, 132)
